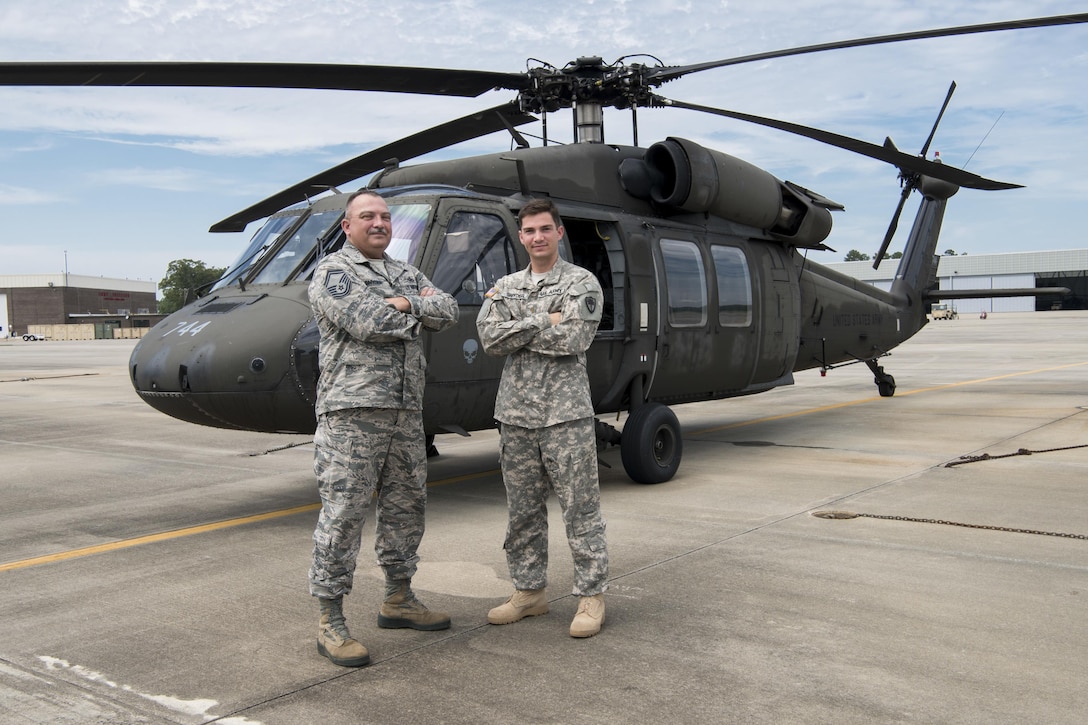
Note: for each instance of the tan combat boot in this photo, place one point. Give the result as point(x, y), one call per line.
point(333, 639)
point(587, 622)
point(524, 603)
point(401, 609)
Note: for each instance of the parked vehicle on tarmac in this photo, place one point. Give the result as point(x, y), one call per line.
point(942, 312)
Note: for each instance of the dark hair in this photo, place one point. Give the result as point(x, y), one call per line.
point(540, 206)
point(361, 192)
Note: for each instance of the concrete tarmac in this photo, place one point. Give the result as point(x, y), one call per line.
point(154, 571)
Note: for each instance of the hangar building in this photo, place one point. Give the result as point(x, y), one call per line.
point(1060, 268)
point(29, 302)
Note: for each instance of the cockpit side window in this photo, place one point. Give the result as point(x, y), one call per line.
point(475, 253)
point(409, 222)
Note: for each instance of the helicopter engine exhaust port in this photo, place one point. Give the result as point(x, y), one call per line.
point(683, 176)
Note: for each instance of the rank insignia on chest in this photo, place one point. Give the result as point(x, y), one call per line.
point(337, 283)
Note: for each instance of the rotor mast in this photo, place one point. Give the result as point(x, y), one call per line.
point(588, 122)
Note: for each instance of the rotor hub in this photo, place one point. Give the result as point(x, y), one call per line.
point(587, 80)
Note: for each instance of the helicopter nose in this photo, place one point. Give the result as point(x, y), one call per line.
point(232, 362)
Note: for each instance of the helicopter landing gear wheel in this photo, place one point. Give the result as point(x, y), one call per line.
point(650, 446)
point(885, 384)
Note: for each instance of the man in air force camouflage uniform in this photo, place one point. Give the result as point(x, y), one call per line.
point(544, 319)
point(370, 310)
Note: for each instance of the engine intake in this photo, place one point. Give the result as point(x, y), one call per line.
point(682, 176)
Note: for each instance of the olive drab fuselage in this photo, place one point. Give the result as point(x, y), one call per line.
point(697, 305)
point(701, 256)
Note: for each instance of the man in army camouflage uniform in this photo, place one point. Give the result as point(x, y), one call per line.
point(370, 310)
point(544, 319)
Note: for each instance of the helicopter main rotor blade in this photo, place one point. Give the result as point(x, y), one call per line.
point(668, 73)
point(342, 77)
point(466, 128)
point(887, 154)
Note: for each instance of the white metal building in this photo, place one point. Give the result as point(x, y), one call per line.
point(1058, 268)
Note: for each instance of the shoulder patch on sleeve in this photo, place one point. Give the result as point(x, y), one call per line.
point(588, 296)
point(591, 307)
point(337, 283)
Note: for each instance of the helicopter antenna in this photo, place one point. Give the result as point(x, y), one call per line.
point(983, 139)
point(520, 140)
point(322, 189)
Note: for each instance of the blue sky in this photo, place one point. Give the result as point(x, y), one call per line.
point(120, 181)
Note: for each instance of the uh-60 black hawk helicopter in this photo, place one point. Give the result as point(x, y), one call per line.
point(700, 254)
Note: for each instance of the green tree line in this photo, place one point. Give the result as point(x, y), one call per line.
point(185, 281)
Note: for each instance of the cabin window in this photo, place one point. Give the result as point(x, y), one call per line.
point(734, 286)
point(476, 252)
point(685, 278)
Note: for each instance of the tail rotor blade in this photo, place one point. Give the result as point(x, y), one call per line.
point(907, 189)
point(925, 147)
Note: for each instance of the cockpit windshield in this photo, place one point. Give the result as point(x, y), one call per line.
point(262, 241)
point(301, 244)
point(321, 227)
point(409, 223)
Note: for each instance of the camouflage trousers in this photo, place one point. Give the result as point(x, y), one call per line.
point(561, 459)
point(357, 452)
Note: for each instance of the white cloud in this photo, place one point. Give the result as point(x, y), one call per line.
point(218, 145)
point(15, 196)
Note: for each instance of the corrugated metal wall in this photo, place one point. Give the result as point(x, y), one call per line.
point(993, 304)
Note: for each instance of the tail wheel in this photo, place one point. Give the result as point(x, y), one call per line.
point(651, 446)
point(886, 386)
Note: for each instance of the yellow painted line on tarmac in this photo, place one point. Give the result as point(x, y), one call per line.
point(230, 523)
point(190, 531)
point(466, 477)
point(847, 404)
point(152, 538)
